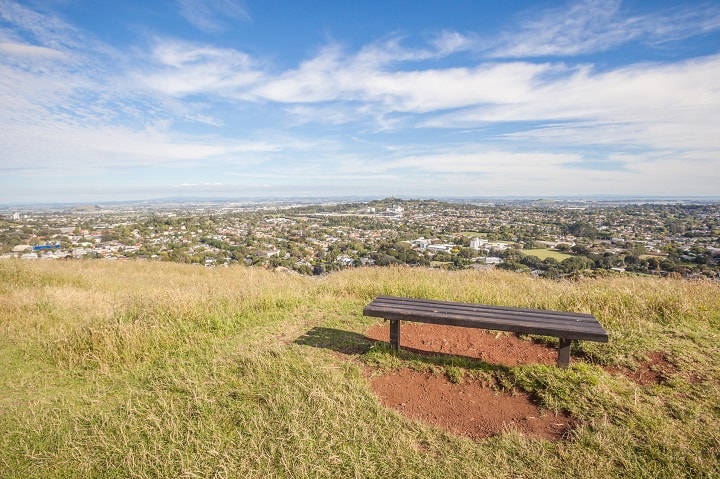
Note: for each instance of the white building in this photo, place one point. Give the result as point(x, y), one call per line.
point(447, 248)
point(421, 243)
point(497, 246)
point(477, 243)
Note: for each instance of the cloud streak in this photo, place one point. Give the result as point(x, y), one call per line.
point(212, 16)
point(184, 69)
point(598, 25)
point(669, 106)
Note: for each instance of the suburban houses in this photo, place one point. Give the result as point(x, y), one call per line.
point(550, 238)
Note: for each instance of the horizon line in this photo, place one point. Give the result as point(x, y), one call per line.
point(351, 198)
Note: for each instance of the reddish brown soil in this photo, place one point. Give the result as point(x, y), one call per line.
point(503, 348)
point(468, 408)
point(655, 370)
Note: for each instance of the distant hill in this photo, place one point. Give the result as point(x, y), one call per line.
point(86, 208)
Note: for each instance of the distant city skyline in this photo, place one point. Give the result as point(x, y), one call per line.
point(268, 99)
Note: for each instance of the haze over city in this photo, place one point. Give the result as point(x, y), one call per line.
point(215, 99)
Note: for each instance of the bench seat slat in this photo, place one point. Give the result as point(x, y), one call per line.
point(480, 318)
point(540, 320)
point(517, 327)
point(402, 302)
point(482, 312)
point(479, 309)
point(519, 320)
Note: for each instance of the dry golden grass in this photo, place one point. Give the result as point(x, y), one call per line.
point(145, 369)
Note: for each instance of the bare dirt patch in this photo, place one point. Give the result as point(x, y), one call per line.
point(655, 370)
point(468, 408)
point(491, 347)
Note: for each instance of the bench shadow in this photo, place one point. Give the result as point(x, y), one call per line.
point(447, 359)
point(350, 343)
point(338, 340)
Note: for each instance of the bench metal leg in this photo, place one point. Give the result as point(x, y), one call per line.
point(563, 359)
point(395, 334)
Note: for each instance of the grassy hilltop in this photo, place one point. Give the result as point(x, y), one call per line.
point(147, 369)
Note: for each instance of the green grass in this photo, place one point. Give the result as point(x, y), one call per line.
point(543, 253)
point(471, 234)
point(145, 369)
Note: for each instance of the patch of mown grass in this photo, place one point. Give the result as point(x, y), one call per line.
point(165, 370)
point(544, 253)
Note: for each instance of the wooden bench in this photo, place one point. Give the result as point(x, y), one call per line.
point(564, 326)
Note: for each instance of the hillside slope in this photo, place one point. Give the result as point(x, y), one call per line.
point(146, 369)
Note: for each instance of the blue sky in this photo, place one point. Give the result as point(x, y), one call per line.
point(128, 100)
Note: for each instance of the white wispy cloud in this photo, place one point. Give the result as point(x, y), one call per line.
point(70, 108)
point(448, 42)
point(183, 68)
point(371, 75)
point(211, 16)
point(599, 25)
point(46, 30)
point(583, 27)
point(25, 50)
point(485, 162)
point(504, 172)
point(660, 106)
point(67, 149)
